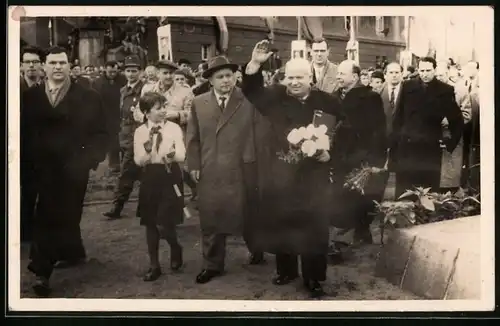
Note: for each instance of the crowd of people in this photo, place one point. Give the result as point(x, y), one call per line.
point(217, 129)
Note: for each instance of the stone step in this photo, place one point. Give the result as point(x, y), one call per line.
point(436, 261)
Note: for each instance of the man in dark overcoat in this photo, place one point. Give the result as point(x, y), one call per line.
point(31, 64)
point(293, 214)
point(130, 172)
point(108, 86)
point(417, 142)
point(65, 126)
point(360, 140)
point(221, 158)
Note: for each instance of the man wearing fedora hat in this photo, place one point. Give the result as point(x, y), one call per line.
point(179, 99)
point(221, 159)
point(129, 99)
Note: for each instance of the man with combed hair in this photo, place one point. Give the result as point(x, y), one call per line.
point(293, 219)
point(324, 71)
point(417, 140)
point(65, 130)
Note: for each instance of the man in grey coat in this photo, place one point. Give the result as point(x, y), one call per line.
point(221, 159)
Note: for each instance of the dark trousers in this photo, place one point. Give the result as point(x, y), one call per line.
point(114, 151)
point(57, 234)
point(313, 267)
point(214, 251)
point(29, 194)
point(130, 173)
point(187, 180)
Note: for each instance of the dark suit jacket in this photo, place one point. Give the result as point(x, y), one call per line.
point(388, 110)
point(417, 130)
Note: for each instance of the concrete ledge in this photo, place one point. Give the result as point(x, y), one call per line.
point(436, 261)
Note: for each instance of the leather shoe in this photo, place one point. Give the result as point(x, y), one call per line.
point(114, 213)
point(152, 274)
point(70, 263)
point(283, 279)
point(41, 287)
point(206, 276)
point(256, 258)
point(176, 260)
point(315, 289)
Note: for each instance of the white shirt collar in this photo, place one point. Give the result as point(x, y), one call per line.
point(226, 96)
point(132, 85)
point(153, 124)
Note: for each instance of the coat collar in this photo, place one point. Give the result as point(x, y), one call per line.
point(233, 104)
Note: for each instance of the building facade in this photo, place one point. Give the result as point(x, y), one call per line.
point(194, 38)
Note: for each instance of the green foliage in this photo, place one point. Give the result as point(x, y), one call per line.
point(420, 206)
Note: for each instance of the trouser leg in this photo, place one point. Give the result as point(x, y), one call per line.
point(214, 251)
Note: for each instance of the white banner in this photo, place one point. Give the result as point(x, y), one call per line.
point(165, 43)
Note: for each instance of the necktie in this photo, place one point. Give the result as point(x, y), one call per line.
point(222, 103)
point(391, 98)
point(156, 130)
point(343, 92)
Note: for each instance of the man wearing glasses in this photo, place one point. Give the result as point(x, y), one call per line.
point(31, 65)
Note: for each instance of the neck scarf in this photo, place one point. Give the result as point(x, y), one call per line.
point(61, 93)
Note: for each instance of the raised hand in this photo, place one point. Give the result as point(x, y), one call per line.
point(261, 52)
point(148, 146)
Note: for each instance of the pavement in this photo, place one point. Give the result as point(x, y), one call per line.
point(118, 259)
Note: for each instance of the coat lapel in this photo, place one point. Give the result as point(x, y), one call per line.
point(211, 108)
point(233, 104)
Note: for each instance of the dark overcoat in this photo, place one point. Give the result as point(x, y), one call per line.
point(65, 142)
point(220, 145)
point(361, 139)
point(417, 132)
point(293, 212)
point(110, 92)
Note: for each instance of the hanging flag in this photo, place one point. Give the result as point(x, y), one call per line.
point(270, 23)
point(312, 28)
point(379, 25)
point(221, 35)
point(347, 23)
point(163, 20)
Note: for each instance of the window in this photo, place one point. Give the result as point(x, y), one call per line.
point(205, 49)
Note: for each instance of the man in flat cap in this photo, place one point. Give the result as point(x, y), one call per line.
point(221, 159)
point(129, 99)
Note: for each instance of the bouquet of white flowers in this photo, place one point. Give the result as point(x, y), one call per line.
point(305, 142)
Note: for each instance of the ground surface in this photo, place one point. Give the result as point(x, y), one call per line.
point(118, 259)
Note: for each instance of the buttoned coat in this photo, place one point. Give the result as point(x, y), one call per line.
point(128, 98)
point(220, 144)
point(415, 144)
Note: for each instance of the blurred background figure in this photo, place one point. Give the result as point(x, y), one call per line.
point(76, 76)
point(151, 74)
point(184, 63)
point(377, 81)
point(364, 77)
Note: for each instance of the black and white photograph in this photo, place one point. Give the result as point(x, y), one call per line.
point(250, 163)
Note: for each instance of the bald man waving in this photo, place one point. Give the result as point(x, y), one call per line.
point(293, 220)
